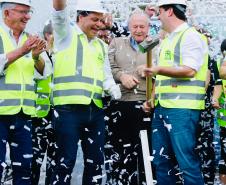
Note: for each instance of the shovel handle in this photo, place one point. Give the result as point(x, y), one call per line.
point(149, 78)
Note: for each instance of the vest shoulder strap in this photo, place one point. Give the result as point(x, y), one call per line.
point(1, 45)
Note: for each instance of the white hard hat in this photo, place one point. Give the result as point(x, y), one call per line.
point(23, 2)
point(90, 5)
point(168, 2)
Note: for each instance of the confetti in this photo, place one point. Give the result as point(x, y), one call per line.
point(56, 114)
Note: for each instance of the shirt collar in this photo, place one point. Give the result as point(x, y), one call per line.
point(134, 44)
point(9, 30)
point(80, 32)
point(78, 29)
point(180, 28)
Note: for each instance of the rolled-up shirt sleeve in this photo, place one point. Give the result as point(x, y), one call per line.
point(193, 51)
point(3, 61)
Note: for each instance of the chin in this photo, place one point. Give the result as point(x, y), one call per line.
point(22, 28)
point(93, 34)
point(139, 40)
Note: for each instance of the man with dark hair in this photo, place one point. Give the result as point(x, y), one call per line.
point(180, 90)
point(223, 47)
point(81, 74)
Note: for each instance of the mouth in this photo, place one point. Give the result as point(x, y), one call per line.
point(24, 22)
point(95, 30)
point(138, 35)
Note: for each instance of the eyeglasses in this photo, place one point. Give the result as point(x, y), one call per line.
point(24, 12)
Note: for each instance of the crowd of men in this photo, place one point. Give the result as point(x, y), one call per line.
point(86, 82)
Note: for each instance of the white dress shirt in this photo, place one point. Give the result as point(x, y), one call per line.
point(193, 48)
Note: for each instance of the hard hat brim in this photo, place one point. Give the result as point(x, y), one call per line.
point(16, 2)
point(169, 2)
point(97, 10)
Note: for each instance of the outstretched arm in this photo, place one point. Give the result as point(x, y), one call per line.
point(59, 4)
point(61, 24)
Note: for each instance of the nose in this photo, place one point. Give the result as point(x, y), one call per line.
point(28, 16)
point(139, 30)
point(100, 23)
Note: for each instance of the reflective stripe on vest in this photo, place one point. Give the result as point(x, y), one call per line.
point(16, 86)
point(182, 96)
point(16, 102)
point(71, 92)
point(67, 79)
point(1, 46)
point(79, 88)
point(179, 92)
point(185, 82)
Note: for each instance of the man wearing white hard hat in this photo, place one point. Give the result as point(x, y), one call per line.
point(81, 74)
point(180, 89)
point(20, 57)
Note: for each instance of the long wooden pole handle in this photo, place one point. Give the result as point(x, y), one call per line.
point(149, 78)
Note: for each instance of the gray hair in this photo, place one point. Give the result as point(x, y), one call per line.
point(6, 6)
point(138, 12)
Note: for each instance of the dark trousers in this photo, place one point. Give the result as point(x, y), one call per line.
point(123, 152)
point(205, 146)
point(222, 162)
point(72, 123)
point(16, 130)
point(43, 142)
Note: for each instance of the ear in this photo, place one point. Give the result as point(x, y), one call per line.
point(80, 18)
point(170, 12)
point(5, 13)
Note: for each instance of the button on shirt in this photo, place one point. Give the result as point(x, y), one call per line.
point(193, 47)
point(63, 35)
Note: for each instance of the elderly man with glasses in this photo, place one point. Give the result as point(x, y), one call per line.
point(20, 60)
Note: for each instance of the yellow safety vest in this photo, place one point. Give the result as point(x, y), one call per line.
point(17, 85)
point(221, 113)
point(184, 93)
point(79, 73)
point(43, 92)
